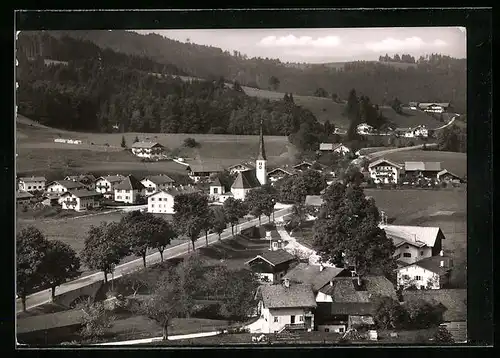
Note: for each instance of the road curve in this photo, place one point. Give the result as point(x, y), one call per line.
point(402, 149)
point(42, 297)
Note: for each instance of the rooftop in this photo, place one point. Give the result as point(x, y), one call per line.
point(84, 193)
point(454, 300)
point(205, 168)
point(286, 171)
point(433, 264)
point(246, 180)
point(23, 195)
point(384, 161)
point(275, 257)
point(160, 179)
point(415, 235)
point(424, 166)
point(294, 296)
point(113, 178)
point(177, 191)
point(313, 200)
point(33, 178)
point(146, 145)
point(346, 289)
point(130, 183)
point(311, 274)
point(216, 182)
point(68, 184)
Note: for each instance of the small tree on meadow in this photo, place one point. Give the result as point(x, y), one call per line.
point(96, 319)
point(123, 143)
point(136, 139)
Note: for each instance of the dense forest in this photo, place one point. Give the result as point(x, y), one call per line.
point(101, 90)
point(432, 78)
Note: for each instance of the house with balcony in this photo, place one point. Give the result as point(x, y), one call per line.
point(414, 243)
point(430, 273)
point(155, 183)
point(129, 191)
point(286, 306)
point(31, 184)
point(106, 185)
point(59, 187)
point(80, 200)
point(271, 266)
point(162, 202)
point(383, 171)
point(149, 150)
point(203, 171)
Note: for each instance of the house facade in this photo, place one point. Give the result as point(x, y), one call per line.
point(62, 186)
point(448, 177)
point(244, 182)
point(383, 171)
point(155, 183)
point(425, 170)
point(203, 172)
point(106, 185)
point(129, 191)
point(162, 202)
point(80, 200)
point(216, 189)
point(86, 179)
point(150, 150)
point(271, 266)
point(429, 273)
point(278, 174)
point(31, 184)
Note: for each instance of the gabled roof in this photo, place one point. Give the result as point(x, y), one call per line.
point(382, 161)
point(84, 193)
point(246, 165)
point(311, 274)
point(286, 171)
point(294, 296)
point(187, 189)
point(159, 179)
point(433, 264)
point(274, 258)
point(23, 195)
point(112, 178)
point(130, 183)
point(425, 166)
point(313, 200)
point(454, 300)
point(25, 179)
point(303, 163)
point(346, 289)
point(216, 182)
point(68, 184)
point(87, 177)
point(146, 145)
point(246, 180)
point(415, 235)
point(340, 145)
point(205, 168)
point(49, 321)
point(445, 171)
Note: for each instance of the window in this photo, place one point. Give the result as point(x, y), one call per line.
point(406, 254)
point(422, 287)
point(153, 199)
point(341, 329)
point(152, 205)
point(215, 190)
point(301, 318)
point(275, 319)
point(418, 278)
point(327, 329)
point(407, 247)
point(159, 199)
point(127, 197)
point(421, 253)
point(406, 277)
point(118, 197)
point(29, 187)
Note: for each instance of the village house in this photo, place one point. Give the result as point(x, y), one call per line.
point(454, 304)
point(271, 266)
point(418, 131)
point(203, 171)
point(129, 191)
point(434, 107)
point(62, 186)
point(106, 185)
point(338, 148)
point(217, 191)
point(415, 170)
point(23, 197)
point(80, 200)
point(286, 307)
point(244, 182)
point(431, 273)
point(383, 171)
point(315, 275)
point(86, 179)
point(51, 199)
point(235, 169)
point(155, 183)
point(31, 184)
point(364, 129)
point(448, 177)
point(279, 173)
point(162, 202)
point(348, 302)
point(302, 166)
point(150, 150)
point(414, 243)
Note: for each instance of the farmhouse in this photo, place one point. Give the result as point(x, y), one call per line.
point(129, 190)
point(427, 170)
point(23, 197)
point(286, 307)
point(429, 273)
point(162, 202)
point(86, 179)
point(234, 169)
point(106, 185)
point(271, 266)
point(278, 174)
point(338, 148)
point(414, 243)
point(156, 183)
point(150, 150)
point(62, 186)
point(80, 200)
point(454, 303)
point(203, 171)
point(434, 107)
point(448, 177)
point(31, 183)
point(418, 131)
point(302, 166)
point(384, 171)
point(217, 191)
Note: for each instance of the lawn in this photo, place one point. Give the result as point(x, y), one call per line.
point(453, 162)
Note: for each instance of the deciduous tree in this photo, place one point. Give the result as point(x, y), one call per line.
point(220, 223)
point(234, 209)
point(190, 212)
point(96, 319)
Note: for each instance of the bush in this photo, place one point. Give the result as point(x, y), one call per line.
point(443, 336)
point(190, 143)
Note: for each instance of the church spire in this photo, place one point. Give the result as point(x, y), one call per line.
point(262, 150)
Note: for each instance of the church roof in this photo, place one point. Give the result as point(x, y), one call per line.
point(246, 180)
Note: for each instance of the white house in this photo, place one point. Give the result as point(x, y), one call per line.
point(286, 306)
point(162, 202)
point(384, 171)
point(234, 169)
point(106, 185)
point(341, 149)
point(216, 189)
point(364, 128)
point(62, 186)
point(447, 176)
point(150, 150)
point(80, 200)
point(429, 273)
point(156, 183)
point(414, 243)
point(129, 190)
point(244, 182)
point(421, 131)
point(31, 183)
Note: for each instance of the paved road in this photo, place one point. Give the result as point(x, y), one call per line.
point(447, 124)
point(43, 297)
point(402, 149)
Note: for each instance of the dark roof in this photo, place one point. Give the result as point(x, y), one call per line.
point(311, 274)
point(286, 171)
point(82, 193)
point(113, 178)
point(433, 264)
point(23, 195)
point(279, 296)
point(246, 165)
point(326, 309)
point(160, 179)
point(262, 149)
point(345, 289)
point(187, 189)
point(246, 180)
point(32, 179)
point(146, 145)
point(205, 168)
point(275, 257)
point(303, 163)
point(130, 183)
point(424, 166)
point(454, 300)
point(86, 177)
point(382, 161)
point(216, 182)
point(69, 184)
point(49, 321)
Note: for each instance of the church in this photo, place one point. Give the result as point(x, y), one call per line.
point(252, 178)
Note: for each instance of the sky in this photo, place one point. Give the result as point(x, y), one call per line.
point(328, 45)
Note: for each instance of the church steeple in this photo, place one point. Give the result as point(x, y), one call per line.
point(261, 171)
point(262, 149)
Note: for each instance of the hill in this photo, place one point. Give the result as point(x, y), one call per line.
point(432, 78)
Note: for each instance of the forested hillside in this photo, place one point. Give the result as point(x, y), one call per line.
point(433, 78)
point(101, 91)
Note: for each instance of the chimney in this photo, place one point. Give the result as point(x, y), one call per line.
point(441, 263)
point(441, 253)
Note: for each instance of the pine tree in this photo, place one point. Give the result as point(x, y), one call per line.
point(123, 143)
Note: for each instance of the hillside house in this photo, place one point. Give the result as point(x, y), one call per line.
point(235, 169)
point(162, 202)
point(302, 166)
point(383, 171)
point(448, 177)
point(244, 182)
point(426, 170)
point(454, 304)
point(286, 307)
point(150, 150)
point(202, 172)
point(31, 184)
point(279, 173)
point(155, 183)
point(106, 185)
point(80, 200)
point(271, 266)
point(86, 179)
point(62, 186)
point(349, 302)
point(434, 107)
point(414, 243)
point(129, 191)
point(429, 273)
point(23, 197)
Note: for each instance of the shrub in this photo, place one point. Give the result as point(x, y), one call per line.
point(443, 336)
point(190, 143)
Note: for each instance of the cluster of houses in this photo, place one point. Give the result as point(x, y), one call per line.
point(420, 131)
point(430, 107)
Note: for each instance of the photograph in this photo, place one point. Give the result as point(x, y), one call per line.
point(241, 187)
